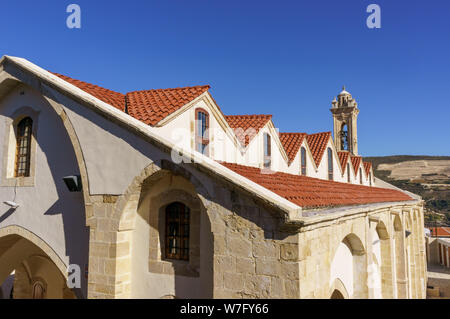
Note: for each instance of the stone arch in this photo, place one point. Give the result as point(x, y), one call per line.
point(28, 255)
point(338, 291)
point(355, 244)
point(28, 235)
point(120, 224)
point(350, 266)
point(126, 205)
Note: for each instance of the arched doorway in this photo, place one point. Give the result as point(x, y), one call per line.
point(349, 267)
point(38, 273)
point(381, 262)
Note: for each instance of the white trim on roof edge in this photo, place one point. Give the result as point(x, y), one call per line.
point(293, 211)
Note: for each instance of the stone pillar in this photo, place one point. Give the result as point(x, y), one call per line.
point(109, 251)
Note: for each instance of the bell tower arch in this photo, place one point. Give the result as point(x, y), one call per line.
point(345, 114)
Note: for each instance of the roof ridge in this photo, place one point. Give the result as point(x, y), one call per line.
point(176, 88)
point(293, 133)
point(250, 115)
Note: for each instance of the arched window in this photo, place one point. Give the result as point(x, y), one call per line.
point(360, 176)
point(348, 172)
point(23, 147)
point(344, 137)
point(38, 290)
point(202, 131)
point(330, 164)
point(303, 160)
point(337, 295)
point(267, 151)
point(177, 231)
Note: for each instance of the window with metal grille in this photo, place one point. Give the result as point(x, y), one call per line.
point(267, 151)
point(303, 160)
point(177, 231)
point(202, 131)
point(23, 147)
point(330, 164)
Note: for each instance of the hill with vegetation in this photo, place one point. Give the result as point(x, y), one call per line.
point(427, 176)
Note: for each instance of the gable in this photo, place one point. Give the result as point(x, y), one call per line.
point(317, 144)
point(152, 106)
point(246, 127)
point(291, 143)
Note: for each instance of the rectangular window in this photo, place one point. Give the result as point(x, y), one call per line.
point(267, 151)
point(177, 231)
point(330, 164)
point(202, 132)
point(303, 160)
point(23, 147)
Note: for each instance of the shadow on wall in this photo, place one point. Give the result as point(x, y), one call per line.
point(8, 213)
point(54, 147)
point(61, 159)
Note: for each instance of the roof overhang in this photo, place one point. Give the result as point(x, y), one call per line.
point(292, 211)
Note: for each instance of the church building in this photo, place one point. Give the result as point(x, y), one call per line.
point(160, 194)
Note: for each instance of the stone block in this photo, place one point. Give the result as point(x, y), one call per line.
point(265, 248)
point(267, 266)
point(289, 252)
point(245, 265)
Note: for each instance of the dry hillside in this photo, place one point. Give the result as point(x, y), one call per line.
point(427, 176)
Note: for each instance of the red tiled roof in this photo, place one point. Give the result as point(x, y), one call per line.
point(152, 106)
point(343, 159)
point(317, 144)
point(367, 167)
point(113, 98)
point(291, 143)
point(309, 192)
point(440, 231)
point(356, 162)
point(246, 127)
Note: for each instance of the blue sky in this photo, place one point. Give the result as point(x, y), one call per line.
point(286, 58)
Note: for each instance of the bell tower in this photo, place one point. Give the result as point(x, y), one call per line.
point(345, 114)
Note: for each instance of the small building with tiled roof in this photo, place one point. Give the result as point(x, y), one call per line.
point(160, 194)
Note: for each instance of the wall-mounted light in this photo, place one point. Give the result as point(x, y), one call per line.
point(73, 183)
point(14, 205)
point(407, 233)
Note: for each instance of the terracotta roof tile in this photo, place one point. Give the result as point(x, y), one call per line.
point(246, 127)
point(367, 167)
point(317, 144)
point(343, 159)
point(356, 162)
point(113, 98)
point(152, 106)
point(291, 143)
point(309, 192)
point(440, 231)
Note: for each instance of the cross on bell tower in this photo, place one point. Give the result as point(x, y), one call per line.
point(345, 114)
